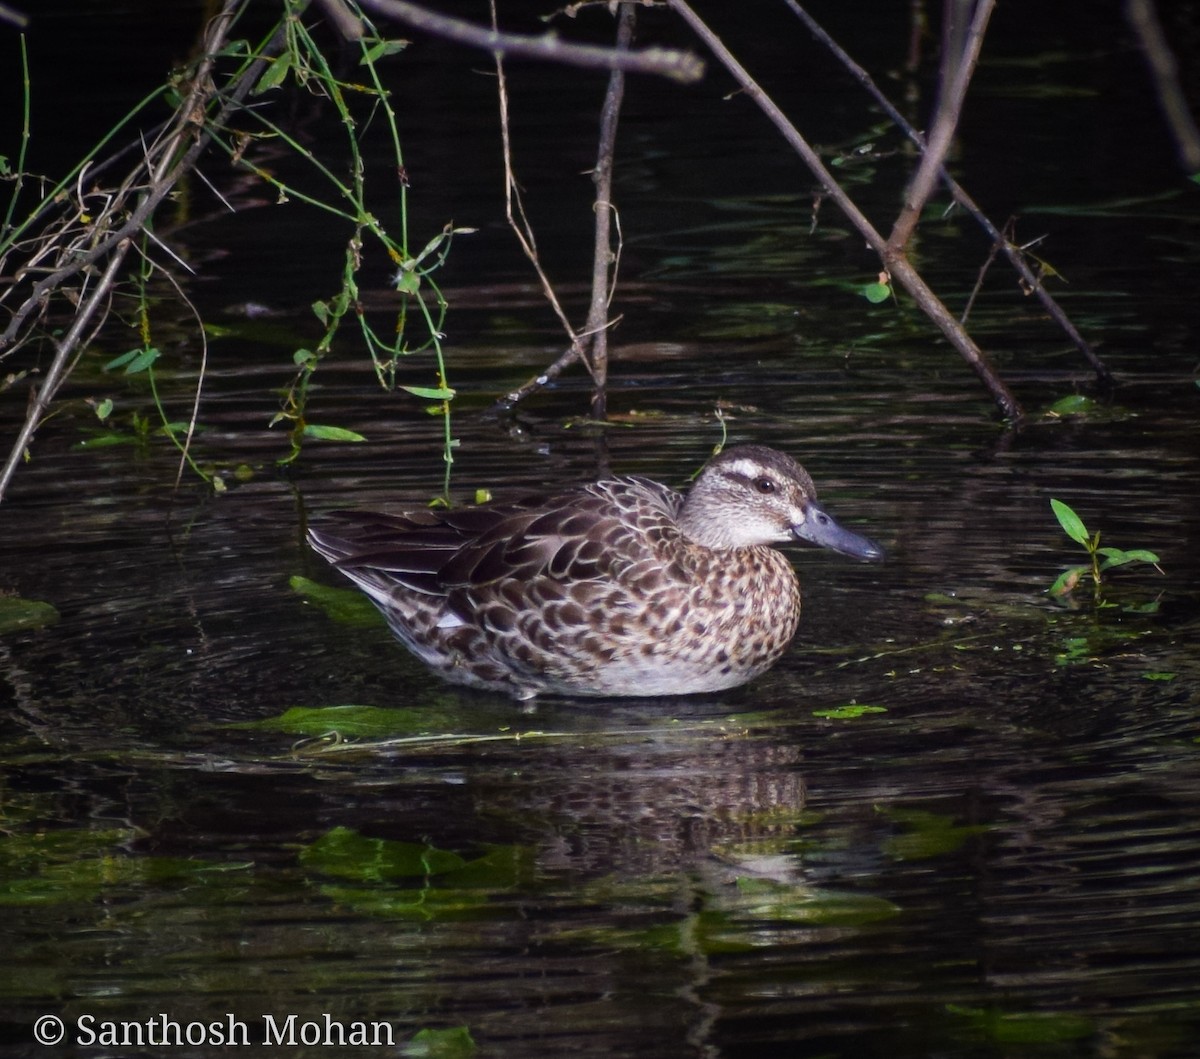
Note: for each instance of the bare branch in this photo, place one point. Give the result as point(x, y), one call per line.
point(900, 268)
point(676, 65)
point(1014, 253)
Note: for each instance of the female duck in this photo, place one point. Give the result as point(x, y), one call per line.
point(621, 587)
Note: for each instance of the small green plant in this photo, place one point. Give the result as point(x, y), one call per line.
point(1102, 559)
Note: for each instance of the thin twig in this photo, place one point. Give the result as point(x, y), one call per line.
point(42, 396)
point(993, 250)
point(604, 258)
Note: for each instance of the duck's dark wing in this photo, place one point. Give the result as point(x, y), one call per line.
point(407, 549)
point(584, 534)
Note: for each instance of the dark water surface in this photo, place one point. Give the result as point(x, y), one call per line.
point(1003, 861)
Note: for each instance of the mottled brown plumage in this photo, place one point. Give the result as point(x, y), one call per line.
point(620, 587)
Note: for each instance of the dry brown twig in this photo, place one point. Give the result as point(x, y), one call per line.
point(605, 258)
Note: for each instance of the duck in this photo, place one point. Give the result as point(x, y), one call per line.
point(621, 587)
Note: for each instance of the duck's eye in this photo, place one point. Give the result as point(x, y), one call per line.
point(764, 485)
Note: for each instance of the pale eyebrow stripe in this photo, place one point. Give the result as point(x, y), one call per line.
point(745, 468)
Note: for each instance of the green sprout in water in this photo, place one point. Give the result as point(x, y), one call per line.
point(1102, 559)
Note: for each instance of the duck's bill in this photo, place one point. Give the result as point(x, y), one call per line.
point(822, 529)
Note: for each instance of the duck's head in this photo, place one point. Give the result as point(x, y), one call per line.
point(753, 495)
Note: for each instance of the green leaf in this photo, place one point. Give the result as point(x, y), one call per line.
point(275, 76)
point(325, 433)
point(876, 292)
point(849, 711)
point(106, 440)
point(104, 409)
point(433, 393)
point(429, 248)
point(500, 868)
point(927, 834)
point(1149, 607)
point(346, 854)
point(1035, 1027)
point(453, 1043)
point(178, 427)
point(59, 866)
point(353, 721)
point(408, 281)
point(1075, 649)
point(344, 605)
point(406, 902)
point(1164, 677)
point(1117, 557)
point(17, 614)
point(1066, 581)
point(1071, 523)
point(142, 361)
point(380, 49)
point(1075, 404)
point(121, 361)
